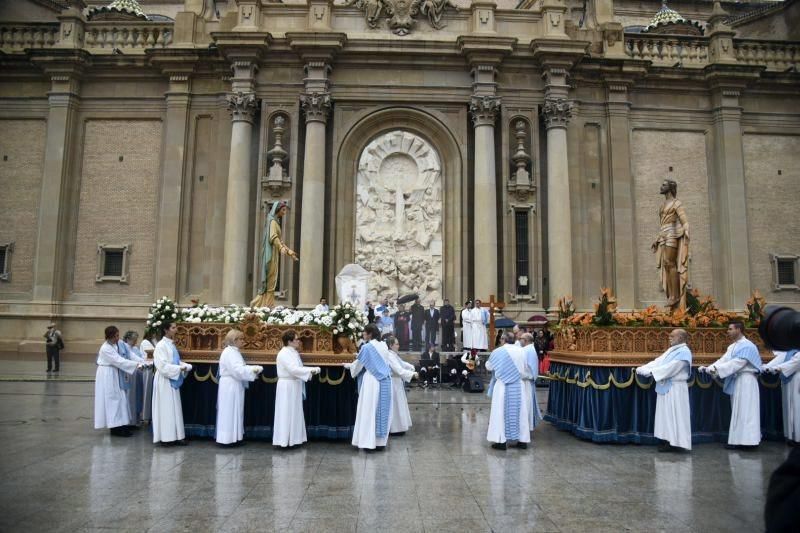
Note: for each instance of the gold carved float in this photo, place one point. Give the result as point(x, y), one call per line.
point(635, 346)
point(203, 342)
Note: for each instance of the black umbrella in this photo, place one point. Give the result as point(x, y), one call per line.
point(407, 298)
point(504, 323)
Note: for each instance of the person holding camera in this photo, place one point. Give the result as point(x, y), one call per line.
point(739, 367)
point(53, 345)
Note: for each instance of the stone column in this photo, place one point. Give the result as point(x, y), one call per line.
point(242, 106)
point(64, 69)
point(316, 106)
point(557, 112)
point(484, 111)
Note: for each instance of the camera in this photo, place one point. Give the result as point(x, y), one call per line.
point(780, 328)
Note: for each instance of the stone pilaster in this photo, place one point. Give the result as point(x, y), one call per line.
point(65, 68)
point(730, 246)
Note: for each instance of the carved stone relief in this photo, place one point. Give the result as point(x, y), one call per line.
point(399, 216)
point(400, 14)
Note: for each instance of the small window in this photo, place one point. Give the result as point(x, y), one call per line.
point(785, 269)
point(5, 260)
point(112, 263)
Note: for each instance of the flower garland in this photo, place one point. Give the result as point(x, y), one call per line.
point(342, 319)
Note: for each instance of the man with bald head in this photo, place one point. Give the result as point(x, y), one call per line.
point(670, 371)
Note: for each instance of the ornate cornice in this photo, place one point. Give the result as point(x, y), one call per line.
point(242, 106)
point(484, 110)
point(316, 106)
point(557, 112)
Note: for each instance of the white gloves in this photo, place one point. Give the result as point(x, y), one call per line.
point(702, 369)
point(315, 370)
point(643, 372)
point(186, 367)
point(258, 369)
point(347, 365)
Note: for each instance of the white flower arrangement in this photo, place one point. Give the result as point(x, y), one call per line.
point(343, 319)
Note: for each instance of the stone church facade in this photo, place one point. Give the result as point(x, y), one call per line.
point(453, 149)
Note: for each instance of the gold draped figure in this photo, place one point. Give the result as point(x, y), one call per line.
point(672, 247)
point(272, 248)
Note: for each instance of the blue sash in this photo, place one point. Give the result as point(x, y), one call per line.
point(744, 349)
point(125, 380)
point(504, 369)
point(681, 352)
point(176, 360)
point(786, 358)
point(375, 365)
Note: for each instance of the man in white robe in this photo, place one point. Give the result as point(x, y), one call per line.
point(525, 341)
point(479, 319)
point(110, 401)
point(234, 378)
point(739, 367)
point(374, 410)
point(508, 418)
point(671, 370)
point(787, 364)
point(402, 373)
point(466, 325)
point(170, 371)
point(289, 427)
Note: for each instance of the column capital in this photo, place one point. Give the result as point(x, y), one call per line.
point(484, 110)
point(64, 66)
point(557, 112)
point(316, 106)
point(242, 106)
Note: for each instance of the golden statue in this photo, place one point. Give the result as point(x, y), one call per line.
point(271, 249)
point(672, 247)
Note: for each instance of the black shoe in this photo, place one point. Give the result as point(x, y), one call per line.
point(665, 447)
point(748, 448)
point(792, 443)
point(181, 442)
point(48, 370)
point(120, 431)
point(522, 445)
point(380, 448)
point(500, 446)
point(731, 447)
point(398, 434)
point(132, 427)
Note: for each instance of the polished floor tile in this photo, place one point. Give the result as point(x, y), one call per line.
point(57, 474)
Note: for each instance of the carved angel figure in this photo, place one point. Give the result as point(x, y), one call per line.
point(371, 8)
point(434, 9)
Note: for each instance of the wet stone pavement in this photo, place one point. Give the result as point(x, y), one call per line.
point(58, 474)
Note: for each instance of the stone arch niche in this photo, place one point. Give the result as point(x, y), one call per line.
point(399, 216)
point(431, 130)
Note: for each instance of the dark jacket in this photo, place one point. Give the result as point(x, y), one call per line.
point(417, 315)
point(432, 322)
point(432, 356)
point(448, 315)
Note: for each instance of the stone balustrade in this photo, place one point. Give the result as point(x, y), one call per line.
point(127, 36)
point(774, 55)
point(21, 36)
point(668, 50)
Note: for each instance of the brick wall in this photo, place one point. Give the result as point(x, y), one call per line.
point(773, 206)
point(22, 147)
point(118, 202)
point(653, 152)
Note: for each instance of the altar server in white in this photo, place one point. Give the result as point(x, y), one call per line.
point(402, 373)
point(374, 410)
point(170, 373)
point(110, 401)
point(787, 364)
point(671, 370)
point(289, 428)
point(508, 418)
point(148, 347)
point(532, 361)
point(739, 367)
point(479, 318)
point(234, 378)
point(466, 325)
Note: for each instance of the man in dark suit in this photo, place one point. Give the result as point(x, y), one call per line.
point(431, 324)
point(430, 354)
point(448, 316)
point(417, 320)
